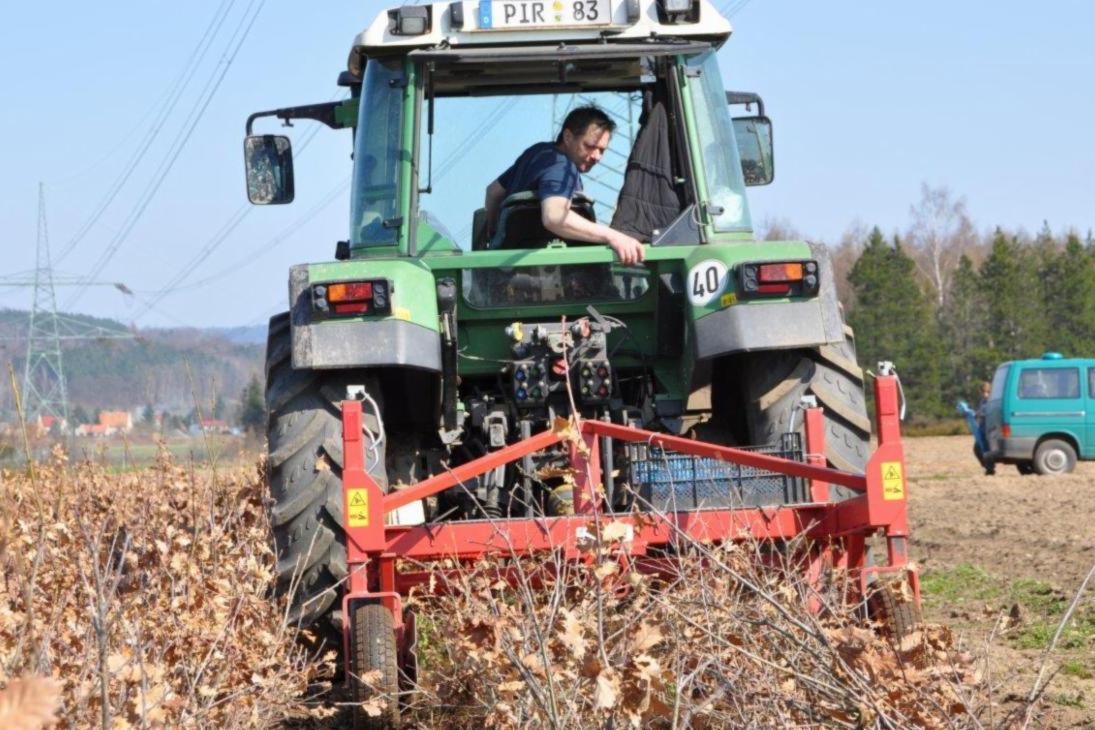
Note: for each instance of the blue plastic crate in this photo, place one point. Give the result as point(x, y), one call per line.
point(670, 481)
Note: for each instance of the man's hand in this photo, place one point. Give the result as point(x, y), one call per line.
point(627, 248)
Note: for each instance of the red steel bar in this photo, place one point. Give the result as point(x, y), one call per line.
point(726, 453)
point(460, 474)
point(814, 426)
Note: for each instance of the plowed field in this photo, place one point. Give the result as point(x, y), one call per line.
point(1002, 557)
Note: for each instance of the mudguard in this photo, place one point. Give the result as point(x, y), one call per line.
point(407, 338)
point(754, 326)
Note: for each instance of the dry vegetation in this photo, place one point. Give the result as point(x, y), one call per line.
point(144, 595)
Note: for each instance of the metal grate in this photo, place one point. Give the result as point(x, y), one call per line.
point(671, 482)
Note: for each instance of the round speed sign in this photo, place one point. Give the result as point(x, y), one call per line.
point(706, 280)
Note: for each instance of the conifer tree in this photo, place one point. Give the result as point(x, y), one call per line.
point(1069, 286)
point(252, 414)
point(1015, 323)
point(895, 320)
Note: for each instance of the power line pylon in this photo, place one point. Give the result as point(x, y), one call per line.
point(44, 389)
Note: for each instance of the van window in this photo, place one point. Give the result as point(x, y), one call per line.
point(1049, 383)
point(998, 381)
point(1091, 382)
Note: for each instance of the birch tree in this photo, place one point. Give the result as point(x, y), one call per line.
point(940, 233)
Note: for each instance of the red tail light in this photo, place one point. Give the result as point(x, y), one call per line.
point(779, 278)
point(354, 291)
point(770, 273)
point(1005, 431)
point(352, 297)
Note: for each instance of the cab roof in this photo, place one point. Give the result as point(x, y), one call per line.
point(486, 23)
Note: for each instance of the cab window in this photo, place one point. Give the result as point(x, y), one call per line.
point(1049, 383)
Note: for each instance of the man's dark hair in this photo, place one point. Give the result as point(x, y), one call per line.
point(581, 119)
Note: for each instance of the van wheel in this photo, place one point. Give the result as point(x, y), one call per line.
point(1054, 456)
point(1025, 467)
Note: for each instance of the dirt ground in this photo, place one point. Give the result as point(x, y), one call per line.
point(1001, 559)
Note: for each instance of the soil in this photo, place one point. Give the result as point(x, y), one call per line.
point(1001, 557)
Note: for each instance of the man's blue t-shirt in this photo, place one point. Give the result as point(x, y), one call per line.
point(544, 170)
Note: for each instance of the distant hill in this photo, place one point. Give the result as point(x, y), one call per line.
point(168, 368)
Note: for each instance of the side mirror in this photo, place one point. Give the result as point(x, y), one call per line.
point(268, 160)
point(754, 136)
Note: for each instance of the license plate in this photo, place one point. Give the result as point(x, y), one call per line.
point(534, 14)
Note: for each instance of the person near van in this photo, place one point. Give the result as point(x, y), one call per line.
point(986, 391)
point(553, 172)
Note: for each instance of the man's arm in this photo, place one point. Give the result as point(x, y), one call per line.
point(558, 218)
point(493, 202)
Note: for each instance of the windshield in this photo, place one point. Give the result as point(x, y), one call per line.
point(717, 146)
point(477, 138)
point(374, 207)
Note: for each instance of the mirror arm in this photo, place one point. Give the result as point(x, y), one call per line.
point(745, 97)
point(324, 113)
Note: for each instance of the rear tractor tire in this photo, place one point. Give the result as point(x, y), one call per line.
point(1054, 456)
point(304, 436)
point(777, 381)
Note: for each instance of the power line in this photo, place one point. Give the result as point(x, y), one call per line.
point(174, 94)
point(243, 29)
point(174, 284)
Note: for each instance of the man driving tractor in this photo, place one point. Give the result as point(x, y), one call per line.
point(552, 171)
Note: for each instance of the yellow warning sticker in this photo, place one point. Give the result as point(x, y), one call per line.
point(401, 313)
point(359, 508)
point(728, 300)
point(893, 484)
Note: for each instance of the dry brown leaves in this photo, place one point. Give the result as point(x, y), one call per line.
point(723, 641)
point(145, 595)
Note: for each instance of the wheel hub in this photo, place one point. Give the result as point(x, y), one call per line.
point(1056, 460)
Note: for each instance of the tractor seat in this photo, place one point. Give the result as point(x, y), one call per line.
point(520, 223)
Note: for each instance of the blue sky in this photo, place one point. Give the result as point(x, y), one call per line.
point(868, 100)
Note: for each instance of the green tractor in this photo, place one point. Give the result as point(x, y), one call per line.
point(462, 343)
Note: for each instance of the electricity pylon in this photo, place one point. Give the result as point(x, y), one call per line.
point(45, 392)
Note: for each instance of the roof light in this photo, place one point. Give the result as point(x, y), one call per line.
point(678, 11)
point(1053, 356)
point(409, 20)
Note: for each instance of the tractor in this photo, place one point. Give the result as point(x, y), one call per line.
point(458, 345)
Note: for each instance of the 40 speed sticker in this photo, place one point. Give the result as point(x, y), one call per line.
point(706, 280)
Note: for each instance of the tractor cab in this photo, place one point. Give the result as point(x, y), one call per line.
point(444, 97)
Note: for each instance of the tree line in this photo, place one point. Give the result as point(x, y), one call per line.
point(948, 304)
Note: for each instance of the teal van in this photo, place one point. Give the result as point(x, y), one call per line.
point(1040, 414)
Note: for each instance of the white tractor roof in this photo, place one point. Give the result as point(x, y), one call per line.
point(537, 22)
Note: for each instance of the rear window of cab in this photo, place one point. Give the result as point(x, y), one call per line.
point(1049, 383)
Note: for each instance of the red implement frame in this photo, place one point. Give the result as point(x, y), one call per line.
point(373, 548)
